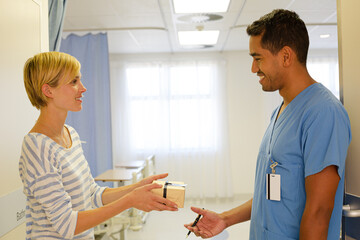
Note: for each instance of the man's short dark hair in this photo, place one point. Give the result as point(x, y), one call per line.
point(282, 28)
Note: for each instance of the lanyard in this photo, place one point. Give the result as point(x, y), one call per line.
point(272, 166)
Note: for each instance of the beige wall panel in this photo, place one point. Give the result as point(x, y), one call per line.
point(24, 32)
point(349, 52)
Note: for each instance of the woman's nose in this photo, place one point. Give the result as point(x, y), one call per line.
point(82, 87)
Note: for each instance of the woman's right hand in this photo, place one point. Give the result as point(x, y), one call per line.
point(143, 199)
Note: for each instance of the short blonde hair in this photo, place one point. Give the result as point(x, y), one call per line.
point(47, 68)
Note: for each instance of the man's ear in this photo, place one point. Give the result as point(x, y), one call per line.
point(288, 56)
point(46, 89)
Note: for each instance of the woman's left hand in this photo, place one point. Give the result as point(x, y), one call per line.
point(152, 178)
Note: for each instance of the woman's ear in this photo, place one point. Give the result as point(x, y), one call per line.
point(46, 89)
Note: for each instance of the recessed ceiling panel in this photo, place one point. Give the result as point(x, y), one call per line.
point(200, 6)
point(319, 43)
point(138, 41)
point(89, 14)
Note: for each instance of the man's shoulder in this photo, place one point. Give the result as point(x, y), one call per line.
point(322, 99)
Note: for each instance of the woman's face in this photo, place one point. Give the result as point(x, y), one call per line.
point(68, 95)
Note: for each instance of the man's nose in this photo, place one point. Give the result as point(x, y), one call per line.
point(254, 67)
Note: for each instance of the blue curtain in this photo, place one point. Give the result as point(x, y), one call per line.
point(56, 20)
point(93, 122)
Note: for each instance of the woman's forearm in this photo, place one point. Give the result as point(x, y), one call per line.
point(114, 201)
point(140, 197)
point(91, 218)
point(112, 194)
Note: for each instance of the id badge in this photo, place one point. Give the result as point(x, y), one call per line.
point(273, 187)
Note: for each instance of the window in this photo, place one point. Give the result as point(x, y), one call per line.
point(175, 103)
point(326, 71)
point(175, 110)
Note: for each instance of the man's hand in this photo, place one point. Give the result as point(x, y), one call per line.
point(209, 225)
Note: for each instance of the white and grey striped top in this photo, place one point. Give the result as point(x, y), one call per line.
point(57, 183)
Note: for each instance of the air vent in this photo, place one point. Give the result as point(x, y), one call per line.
point(199, 18)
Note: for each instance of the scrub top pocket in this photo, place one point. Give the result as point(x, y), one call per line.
point(291, 203)
point(291, 179)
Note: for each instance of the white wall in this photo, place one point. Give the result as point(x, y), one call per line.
point(24, 32)
point(249, 110)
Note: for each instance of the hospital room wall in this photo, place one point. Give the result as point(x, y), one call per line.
point(23, 26)
point(249, 107)
point(249, 110)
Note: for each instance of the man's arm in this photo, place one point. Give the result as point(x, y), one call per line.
point(239, 214)
point(320, 196)
point(211, 223)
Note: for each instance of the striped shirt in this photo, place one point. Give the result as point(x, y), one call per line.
point(57, 183)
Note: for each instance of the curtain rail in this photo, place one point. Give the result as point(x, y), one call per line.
point(114, 29)
point(165, 29)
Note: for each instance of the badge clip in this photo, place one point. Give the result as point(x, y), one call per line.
point(273, 184)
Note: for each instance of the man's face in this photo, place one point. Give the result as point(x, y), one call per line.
point(265, 65)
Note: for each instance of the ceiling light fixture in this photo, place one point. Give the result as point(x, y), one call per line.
point(199, 18)
point(198, 37)
point(192, 47)
point(200, 6)
point(324, 35)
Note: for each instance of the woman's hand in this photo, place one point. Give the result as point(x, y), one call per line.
point(210, 224)
point(143, 199)
point(152, 178)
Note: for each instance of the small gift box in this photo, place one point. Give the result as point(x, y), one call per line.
point(174, 191)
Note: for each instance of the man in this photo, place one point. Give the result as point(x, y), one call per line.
point(299, 181)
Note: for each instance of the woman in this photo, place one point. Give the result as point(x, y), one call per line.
point(63, 200)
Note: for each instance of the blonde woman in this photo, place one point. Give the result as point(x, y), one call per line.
point(63, 200)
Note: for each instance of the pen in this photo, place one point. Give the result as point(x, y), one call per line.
point(194, 224)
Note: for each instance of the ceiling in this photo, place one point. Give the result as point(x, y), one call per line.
point(150, 26)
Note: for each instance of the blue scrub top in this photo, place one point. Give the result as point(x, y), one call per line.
point(312, 132)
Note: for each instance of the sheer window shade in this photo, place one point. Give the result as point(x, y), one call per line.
point(176, 110)
point(326, 71)
point(188, 105)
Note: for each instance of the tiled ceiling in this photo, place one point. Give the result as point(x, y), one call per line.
point(150, 26)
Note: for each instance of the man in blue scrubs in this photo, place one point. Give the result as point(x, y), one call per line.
point(299, 182)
